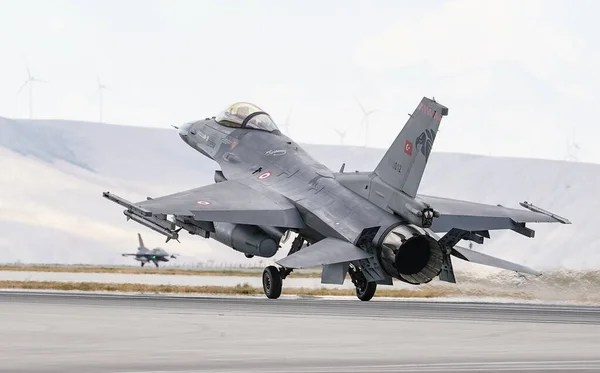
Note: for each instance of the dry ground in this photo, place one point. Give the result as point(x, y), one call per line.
point(245, 289)
point(151, 271)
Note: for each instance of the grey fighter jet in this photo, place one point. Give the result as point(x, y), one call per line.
point(370, 225)
point(145, 255)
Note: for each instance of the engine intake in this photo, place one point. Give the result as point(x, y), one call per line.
point(408, 253)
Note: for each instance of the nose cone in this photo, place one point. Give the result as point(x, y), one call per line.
point(184, 131)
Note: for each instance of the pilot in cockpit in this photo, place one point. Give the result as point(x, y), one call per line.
point(242, 112)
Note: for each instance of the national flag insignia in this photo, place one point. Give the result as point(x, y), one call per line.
point(408, 146)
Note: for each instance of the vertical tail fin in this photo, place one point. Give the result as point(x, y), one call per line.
point(403, 165)
point(140, 240)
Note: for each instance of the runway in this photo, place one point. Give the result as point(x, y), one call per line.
point(67, 333)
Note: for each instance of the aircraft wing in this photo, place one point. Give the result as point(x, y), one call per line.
point(470, 216)
point(229, 201)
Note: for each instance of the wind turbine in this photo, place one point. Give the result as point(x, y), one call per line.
point(286, 124)
point(342, 135)
point(572, 149)
point(30, 80)
point(365, 120)
point(99, 91)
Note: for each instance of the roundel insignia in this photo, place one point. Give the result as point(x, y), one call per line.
point(203, 203)
point(264, 175)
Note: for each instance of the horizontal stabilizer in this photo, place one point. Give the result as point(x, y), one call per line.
point(479, 258)
point(327, 251)
point(472, 216)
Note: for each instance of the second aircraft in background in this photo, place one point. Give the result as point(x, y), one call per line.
point(145, 255)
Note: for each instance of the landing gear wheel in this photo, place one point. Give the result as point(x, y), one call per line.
point(367, 291)
point(272, 282)
point(142, 264)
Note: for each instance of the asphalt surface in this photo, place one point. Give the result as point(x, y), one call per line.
point(67, 333)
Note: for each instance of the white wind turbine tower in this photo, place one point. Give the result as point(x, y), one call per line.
point(30, 80)
point(365, 120)
point(99, 91)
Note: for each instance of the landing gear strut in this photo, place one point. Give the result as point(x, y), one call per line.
point(365, 290)
point(273, 277)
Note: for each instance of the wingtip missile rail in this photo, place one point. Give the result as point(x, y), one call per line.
point(125, 203)
point(531, 207)
point(145, 217)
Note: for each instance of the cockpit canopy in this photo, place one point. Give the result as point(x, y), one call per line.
point(246, 115)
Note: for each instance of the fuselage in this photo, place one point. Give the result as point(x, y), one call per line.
point(279, 163)
point(155, 255)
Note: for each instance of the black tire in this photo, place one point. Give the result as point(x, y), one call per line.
point(143, 264)
point(272, 282)
point(366, 292)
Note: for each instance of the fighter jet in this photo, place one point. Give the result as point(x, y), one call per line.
point(145, 255)
point(371, 225)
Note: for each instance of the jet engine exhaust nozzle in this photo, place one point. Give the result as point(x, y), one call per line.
point(409, 254)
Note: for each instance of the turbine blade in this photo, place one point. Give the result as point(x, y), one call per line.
point(23, 86)
point(361, 107)
point(26, 66)
point(340, 132)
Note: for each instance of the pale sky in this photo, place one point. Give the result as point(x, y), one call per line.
point(519, 77)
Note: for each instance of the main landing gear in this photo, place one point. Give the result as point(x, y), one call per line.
point(365, 290)
point(272, 282)
point(273, 277)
